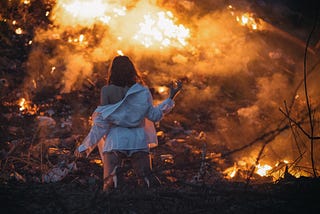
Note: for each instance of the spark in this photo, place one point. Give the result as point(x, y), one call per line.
point(19, 31)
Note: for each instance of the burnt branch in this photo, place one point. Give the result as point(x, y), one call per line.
point(299, 126)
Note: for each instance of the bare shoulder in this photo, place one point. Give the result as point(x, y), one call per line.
point(109, 89)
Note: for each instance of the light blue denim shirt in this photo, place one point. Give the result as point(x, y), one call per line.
point(128, 124)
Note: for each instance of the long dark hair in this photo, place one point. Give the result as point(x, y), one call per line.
point(122, 72)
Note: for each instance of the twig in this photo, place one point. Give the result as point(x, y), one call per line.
point(256, 163)
point(307, 96)
point(291, 127)
point(268, 135)
point(299, 126)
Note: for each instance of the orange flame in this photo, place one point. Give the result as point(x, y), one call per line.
point(25, 106)
point(263, 170)
point(145, 24)
point(231, 171)
point(161, 29)
point(247, 19)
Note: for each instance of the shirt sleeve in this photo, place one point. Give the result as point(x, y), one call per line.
point(155, 113)
point(98, 130)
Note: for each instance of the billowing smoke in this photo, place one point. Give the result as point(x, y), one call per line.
point(236, 74)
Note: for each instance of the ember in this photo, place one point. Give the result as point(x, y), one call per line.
point(27, 107)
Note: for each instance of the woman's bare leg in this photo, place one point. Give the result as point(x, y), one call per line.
point(111, 161)
point(142, 166)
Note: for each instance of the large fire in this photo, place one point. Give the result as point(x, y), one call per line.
point(90, 31)
point(151, 27)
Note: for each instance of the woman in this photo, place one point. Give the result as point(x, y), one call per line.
point(125, 118)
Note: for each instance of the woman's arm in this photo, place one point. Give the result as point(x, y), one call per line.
point(155, 113)
point(99, 129)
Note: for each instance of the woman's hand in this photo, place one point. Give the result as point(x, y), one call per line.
point(79, 154)
point(175, 88)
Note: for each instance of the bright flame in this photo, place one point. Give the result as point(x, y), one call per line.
point(25, 106)
point(81, 38)
point(231, 171)
point(161, 29)
point(247, 19)
point(22, 102)
point(119, 52)
point(144, 24)
point(263, 170)
point(85, 9)
point(86, 12)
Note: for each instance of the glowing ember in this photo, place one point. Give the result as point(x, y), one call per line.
point(22, 102)
point(161, 29)
point(81, 38)
point(26, 107)
point(263, 170)
point(19, 31)
point(231, 171)
point(53, 69)
point(247, 19)
point(162, 89)
point(97, 161)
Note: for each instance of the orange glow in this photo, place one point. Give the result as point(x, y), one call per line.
point(263, 170)
point(247, 19)
point(85, 9)
point(19, 31)
point(160, 28)
point(25, 106)
point(86, 12)
point(162, 89)
point(22, 102)
point(144, 24)
point(97, 161)
point(231, 171)
point(119, 52)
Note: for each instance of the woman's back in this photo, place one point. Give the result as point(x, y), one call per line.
point(111, 94)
